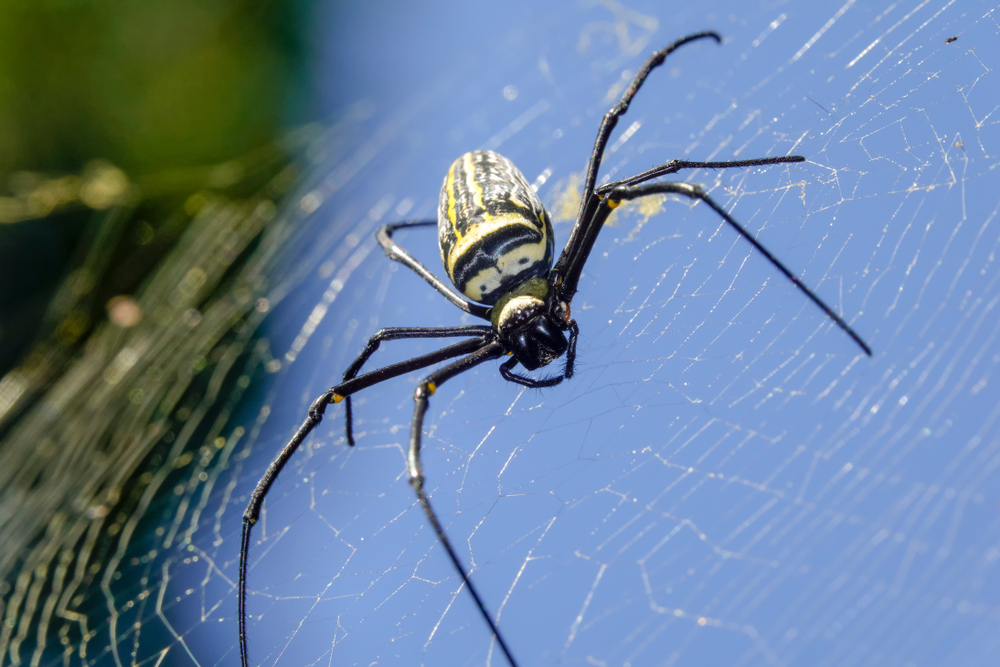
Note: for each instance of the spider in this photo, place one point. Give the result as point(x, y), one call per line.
point(496, 246)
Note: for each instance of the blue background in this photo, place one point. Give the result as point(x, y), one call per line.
point(728, 479)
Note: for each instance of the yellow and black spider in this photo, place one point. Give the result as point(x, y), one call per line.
point(496, 245)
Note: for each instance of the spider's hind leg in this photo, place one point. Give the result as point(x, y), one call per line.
point(398, 253)
point(610, 119)
point(692, 191)
point(673, 166)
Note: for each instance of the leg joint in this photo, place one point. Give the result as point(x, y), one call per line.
point(417, 481)
point(424, 390)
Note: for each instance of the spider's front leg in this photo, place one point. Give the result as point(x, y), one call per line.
point(421, 398)
point(398, 333)
point(316, 411)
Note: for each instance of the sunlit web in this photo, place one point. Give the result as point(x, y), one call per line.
point(727, 480)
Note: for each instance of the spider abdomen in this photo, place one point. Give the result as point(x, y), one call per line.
point(493, 231)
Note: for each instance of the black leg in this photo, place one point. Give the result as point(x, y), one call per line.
point(420, 397)
point(611, 117)
point(579, 246)
point(396, 252)
point(252, 512)
point(588, 205)
point(695, 192)
point(333, 395)
point(675, 166)
point(399, 333)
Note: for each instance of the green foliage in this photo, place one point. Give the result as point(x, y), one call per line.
point(148, 86)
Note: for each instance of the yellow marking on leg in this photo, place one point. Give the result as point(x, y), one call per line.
point(614, 203)
point(431, 387)
point(337, 398)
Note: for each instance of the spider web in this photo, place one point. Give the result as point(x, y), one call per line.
point(727, 479)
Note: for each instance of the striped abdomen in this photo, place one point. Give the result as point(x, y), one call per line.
point(493, 231)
